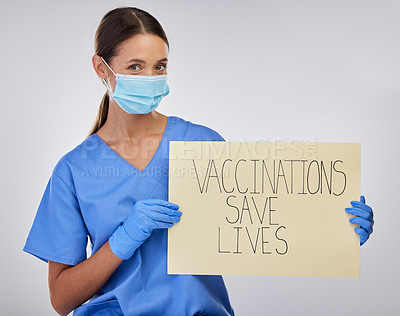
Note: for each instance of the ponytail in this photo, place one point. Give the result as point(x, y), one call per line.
point(101, 115)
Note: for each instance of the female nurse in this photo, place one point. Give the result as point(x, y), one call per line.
point(112, 189)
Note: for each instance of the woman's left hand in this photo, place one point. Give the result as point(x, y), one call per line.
point(364, 218)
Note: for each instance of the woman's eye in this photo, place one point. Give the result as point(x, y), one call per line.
point(130, 67)
point(165, 66)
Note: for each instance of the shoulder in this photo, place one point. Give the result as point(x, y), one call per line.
point(196, 131)
point(75, 160)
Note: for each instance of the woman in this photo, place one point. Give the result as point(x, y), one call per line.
point(113, 187)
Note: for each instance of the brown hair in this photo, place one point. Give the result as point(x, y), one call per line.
point(115, 27)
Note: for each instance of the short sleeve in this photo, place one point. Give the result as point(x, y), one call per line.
point(58, 232)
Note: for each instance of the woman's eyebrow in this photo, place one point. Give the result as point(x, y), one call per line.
point(142, 61)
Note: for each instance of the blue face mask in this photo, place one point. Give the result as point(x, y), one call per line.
point(137, 94)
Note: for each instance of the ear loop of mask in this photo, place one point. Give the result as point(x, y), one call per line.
point(107, 84)
point(109, 67)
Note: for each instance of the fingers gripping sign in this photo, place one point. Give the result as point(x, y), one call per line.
point(364, 217)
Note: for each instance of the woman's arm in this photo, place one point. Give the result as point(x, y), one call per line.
point(71, 286)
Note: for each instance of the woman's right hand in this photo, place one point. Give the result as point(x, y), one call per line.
point(146, 215)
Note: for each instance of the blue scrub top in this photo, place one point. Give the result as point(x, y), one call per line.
point(91, 191)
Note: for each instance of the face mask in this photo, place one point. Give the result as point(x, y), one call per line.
point(137, 94)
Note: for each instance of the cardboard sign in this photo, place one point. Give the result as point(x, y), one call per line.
point(264, 208)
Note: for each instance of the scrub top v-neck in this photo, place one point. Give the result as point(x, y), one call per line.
point(91, 191)
point(154, 155)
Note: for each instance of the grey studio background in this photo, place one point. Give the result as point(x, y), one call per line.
point(252, 70)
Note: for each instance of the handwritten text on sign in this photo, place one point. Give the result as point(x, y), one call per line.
point(263, 208)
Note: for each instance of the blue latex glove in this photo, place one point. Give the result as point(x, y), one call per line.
point(146, 215)
point(364, 218)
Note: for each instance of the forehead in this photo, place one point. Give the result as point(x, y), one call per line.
point(143, 46)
